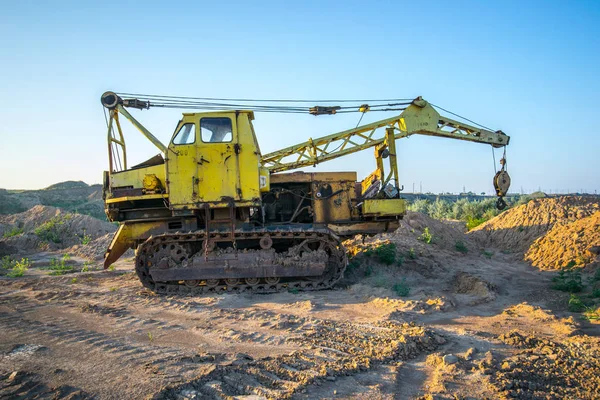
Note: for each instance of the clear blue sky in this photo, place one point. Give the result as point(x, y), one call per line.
point(528, 68)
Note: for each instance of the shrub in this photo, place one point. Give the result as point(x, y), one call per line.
point(472, 222)
point(401, 288)
point(411, 254)
point(460, 246)
point(568, 280)
point(7, 262)
point(50, 230)
point(86, 239)
point(86, 266)
point(575, 304)
point(426, 236)
point(384, 253)
point(488, 254)
point(19, 268)
point(13, 232)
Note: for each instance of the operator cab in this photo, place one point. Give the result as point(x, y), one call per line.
point(213, 158)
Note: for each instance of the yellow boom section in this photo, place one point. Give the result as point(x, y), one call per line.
point(418, 118)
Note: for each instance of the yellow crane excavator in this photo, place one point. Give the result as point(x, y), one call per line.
point(212, 213)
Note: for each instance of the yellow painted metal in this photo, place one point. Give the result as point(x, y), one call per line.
point(384, 207)
point(136, 198)
point(418, 118)
point(126, 237)
point(313, 177)
point(215, 172)
point(182, 164)
point(141, 128)
point(135, 177)
point(151, 183)
point(335, 205)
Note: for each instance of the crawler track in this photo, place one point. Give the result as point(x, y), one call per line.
point(146, 259)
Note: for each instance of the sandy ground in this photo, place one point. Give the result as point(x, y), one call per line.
point(473, 326)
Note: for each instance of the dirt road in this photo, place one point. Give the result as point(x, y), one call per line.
point(484, 328)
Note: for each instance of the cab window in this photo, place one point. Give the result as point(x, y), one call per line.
point(216, 130)
point(186, 134)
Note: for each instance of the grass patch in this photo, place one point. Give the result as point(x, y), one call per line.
point(399, 261)
point(461, 247)
point(13, 232)
point(488, 254)
point(401, 288)
point(411, 254)
point(60, 267)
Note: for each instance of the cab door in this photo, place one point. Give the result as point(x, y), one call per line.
point(182, 166)
point(218, 163)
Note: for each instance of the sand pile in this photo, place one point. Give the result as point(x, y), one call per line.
point(417, 233)
point(96, 248)
point(517, 228)
point(50, 228)
point(567, 243)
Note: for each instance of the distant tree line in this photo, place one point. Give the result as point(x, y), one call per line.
point(473, 212)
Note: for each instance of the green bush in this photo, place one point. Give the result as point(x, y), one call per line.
point(426, 236)
point(13, 232)
point(384, 253)
point(399, 261)
point(488, 254)
point(7, 262)
point(460, 246)
point(86, 239)
point(50, 230)
point(473, 222)
point(575, 304)
point(401, 288)
point(411, 254)
point(568, 280)
point(19, 268)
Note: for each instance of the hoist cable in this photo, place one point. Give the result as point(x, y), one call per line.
point(254, 100)
point(466, 119)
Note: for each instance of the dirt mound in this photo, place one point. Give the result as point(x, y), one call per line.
point(419, 232)
point(546, 369)
point(470, 285)
point(50, 228)
point(567, 243)
point(517, 228)
point(95, 249)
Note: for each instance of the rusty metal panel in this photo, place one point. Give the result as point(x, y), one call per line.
point(314, 176)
